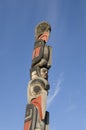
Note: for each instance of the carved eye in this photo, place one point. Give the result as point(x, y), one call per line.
point(37, 89)
point(43, 28)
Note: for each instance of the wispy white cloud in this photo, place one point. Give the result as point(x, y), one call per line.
point(57, 89)
point(71, 107)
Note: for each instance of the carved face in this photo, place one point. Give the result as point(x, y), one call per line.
point(44, 73)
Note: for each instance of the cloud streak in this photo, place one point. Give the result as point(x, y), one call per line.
point(71, 108)
point(56, 91)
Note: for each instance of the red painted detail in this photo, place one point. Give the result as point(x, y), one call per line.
point(27, 125)
point(38, 103)
point(36, 52)
point(44, 36)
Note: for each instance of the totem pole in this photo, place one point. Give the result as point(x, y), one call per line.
point(36, 116)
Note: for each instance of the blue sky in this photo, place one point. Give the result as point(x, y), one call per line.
point(67, 76)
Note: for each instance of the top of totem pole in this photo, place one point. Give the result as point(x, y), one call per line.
point(41, 28)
